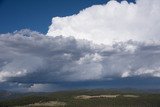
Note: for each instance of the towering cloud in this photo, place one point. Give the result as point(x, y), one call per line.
point(111, 22)
point(109, 42)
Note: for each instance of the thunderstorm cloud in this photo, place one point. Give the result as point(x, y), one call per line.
point(110, 42)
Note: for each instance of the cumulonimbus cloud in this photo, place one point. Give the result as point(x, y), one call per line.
point(130, 47)
point(110, 22)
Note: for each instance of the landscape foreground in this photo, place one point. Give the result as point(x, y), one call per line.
point(82, 98)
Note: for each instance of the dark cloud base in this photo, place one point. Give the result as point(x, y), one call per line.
point(118, 83)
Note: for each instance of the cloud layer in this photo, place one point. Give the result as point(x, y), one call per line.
point(33, 59)
point(110, 22)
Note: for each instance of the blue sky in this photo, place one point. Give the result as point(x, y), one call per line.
point(37, 14)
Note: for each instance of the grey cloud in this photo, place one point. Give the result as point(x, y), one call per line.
point(28, 57)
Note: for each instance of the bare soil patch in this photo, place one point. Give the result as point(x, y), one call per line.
point(46, 104)
point(98, 96)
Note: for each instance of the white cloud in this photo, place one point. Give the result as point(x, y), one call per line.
point(110, 22)
point(7, 74)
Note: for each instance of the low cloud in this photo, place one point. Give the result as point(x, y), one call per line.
point(112, 22)
point(33, 59)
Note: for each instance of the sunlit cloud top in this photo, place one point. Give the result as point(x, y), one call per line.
point(112, 22)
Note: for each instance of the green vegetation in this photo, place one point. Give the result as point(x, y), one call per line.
point(124, 99)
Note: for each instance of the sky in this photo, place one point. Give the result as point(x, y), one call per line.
point(79, 45)
point(37, 14)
